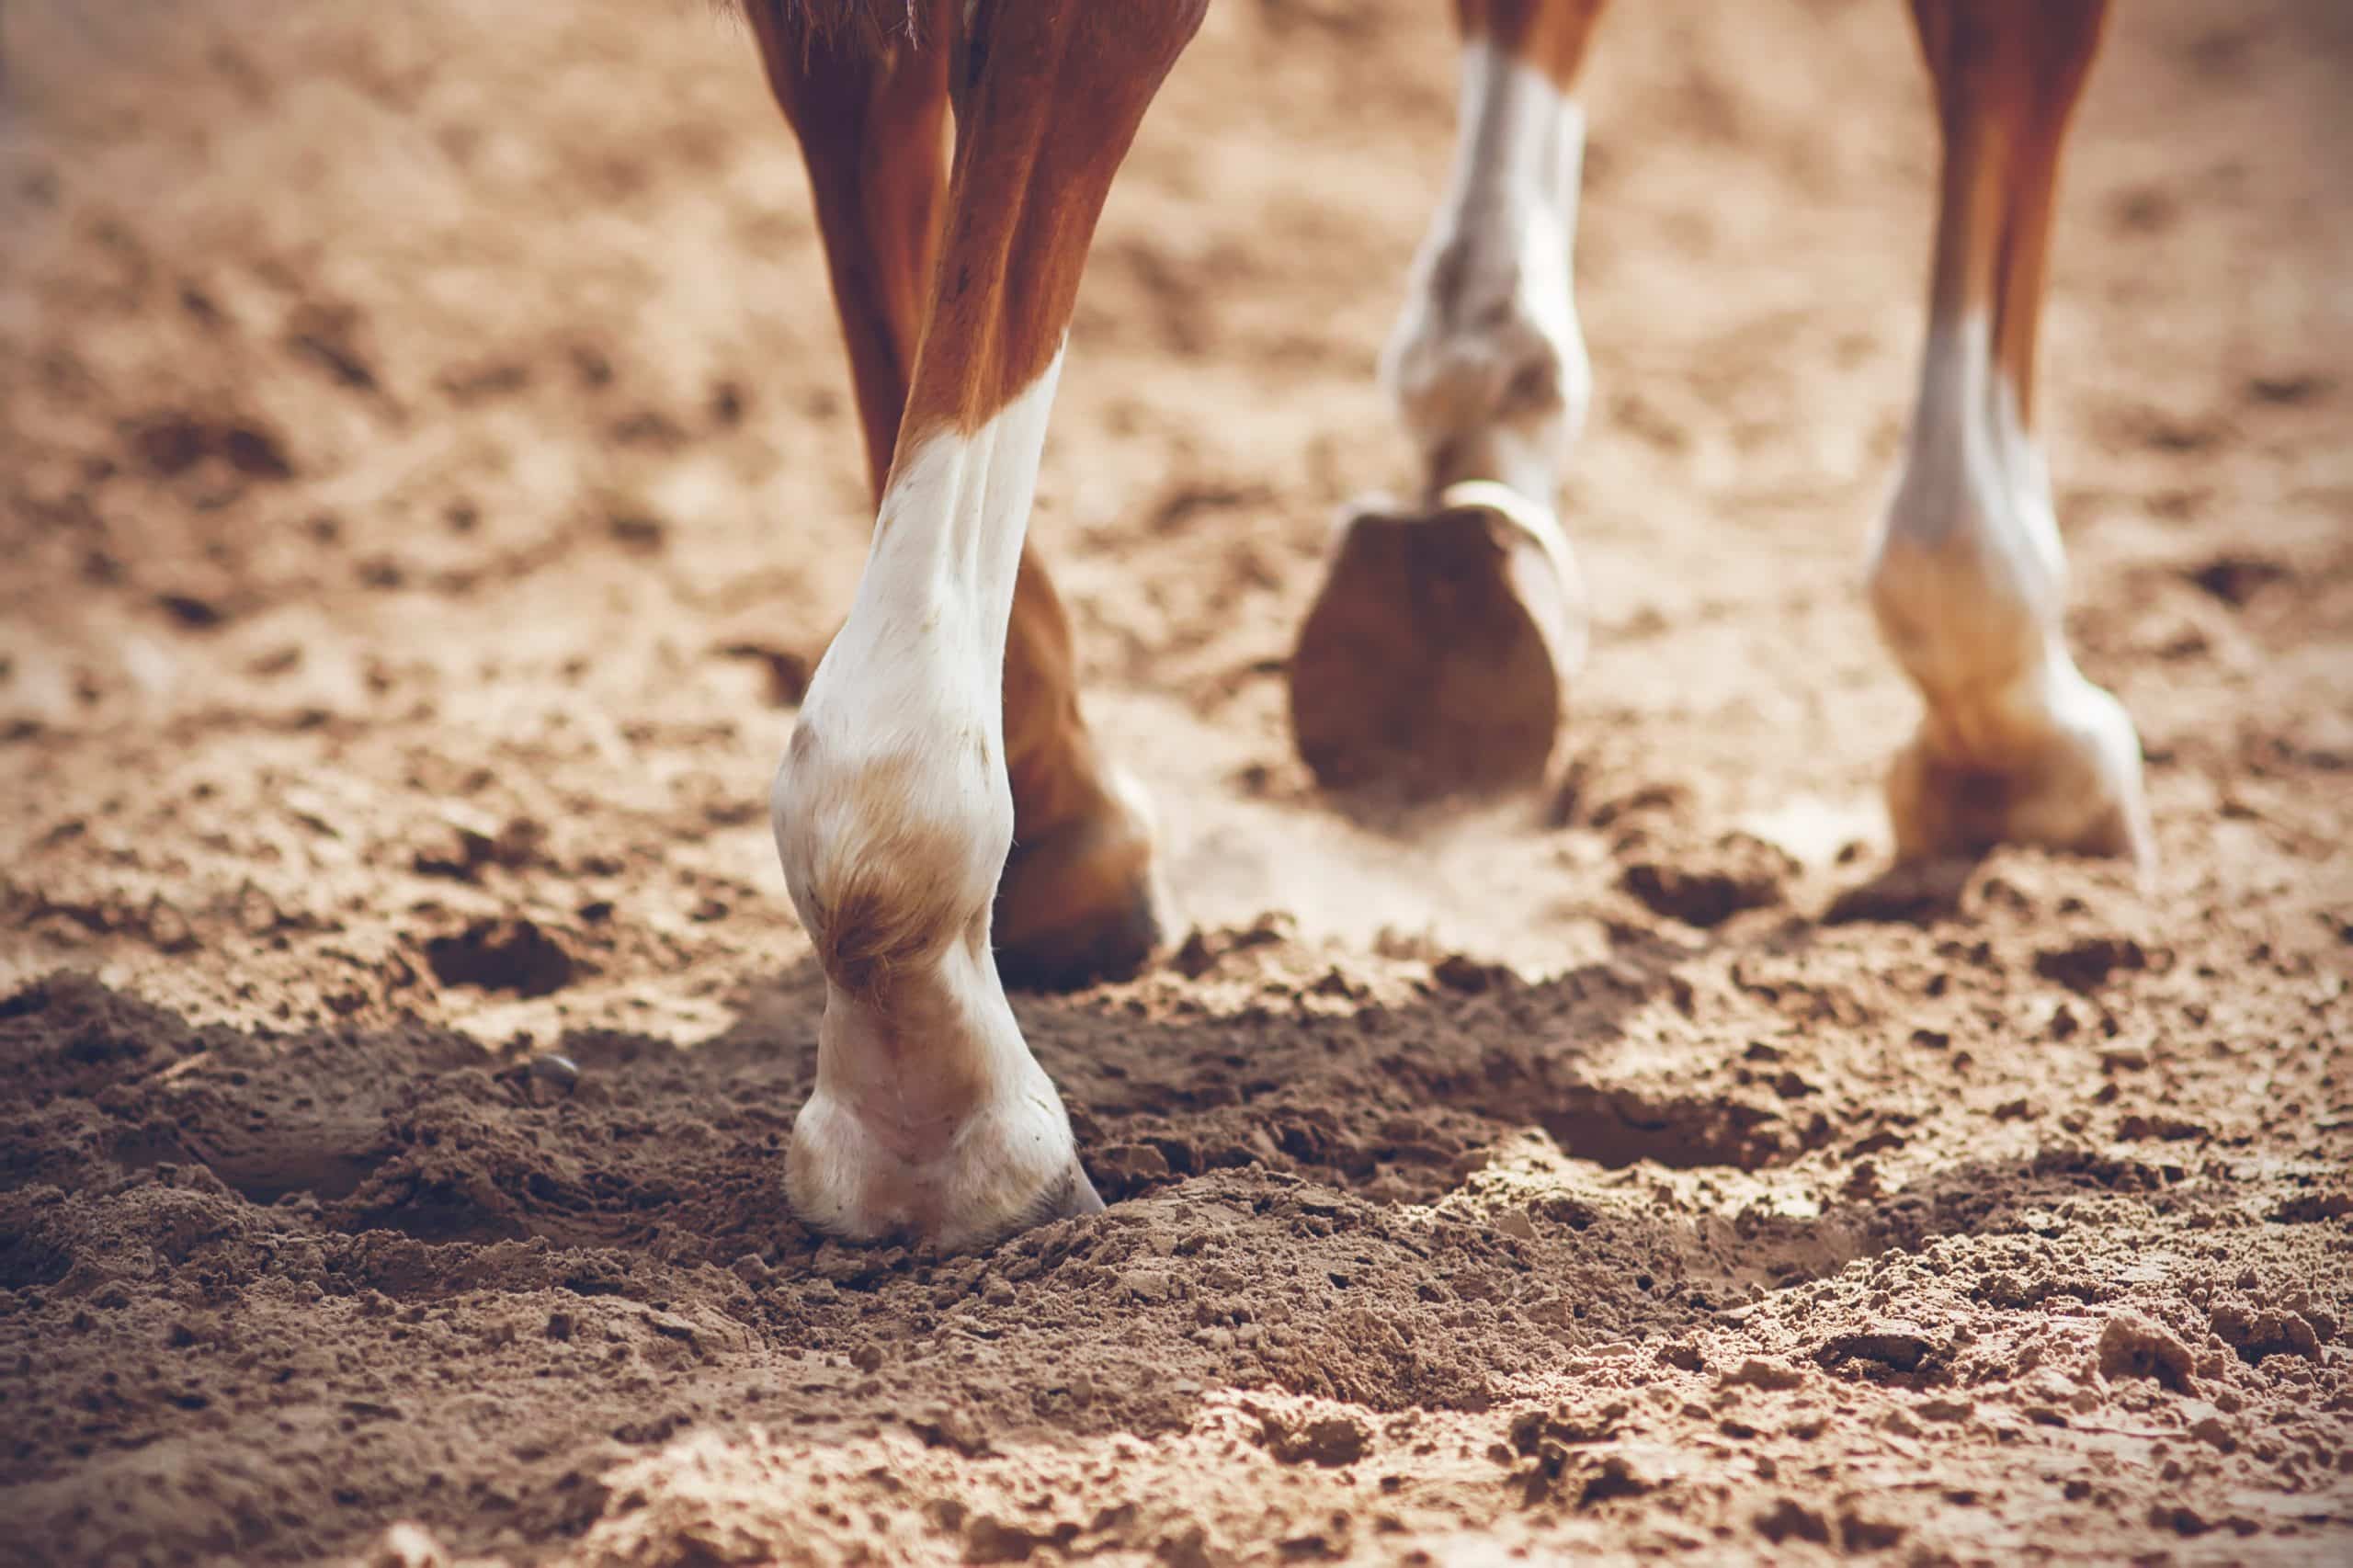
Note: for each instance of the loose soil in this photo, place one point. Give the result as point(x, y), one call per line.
point(427, 472)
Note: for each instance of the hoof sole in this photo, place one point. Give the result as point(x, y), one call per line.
point(1436, 658)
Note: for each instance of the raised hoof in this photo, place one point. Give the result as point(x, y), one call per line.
point(1081, 901)
point(2075, 788)
point(1438, 655)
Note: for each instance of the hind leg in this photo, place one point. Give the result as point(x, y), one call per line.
point(1967, 574)
point(1437, 654)
point(1079, 898)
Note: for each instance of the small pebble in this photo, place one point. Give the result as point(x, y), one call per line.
point(551, 1076)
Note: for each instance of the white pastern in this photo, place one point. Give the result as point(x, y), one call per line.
point(1966, 573)
point(1967, 580)
point(892, 818)
point(1487, 364)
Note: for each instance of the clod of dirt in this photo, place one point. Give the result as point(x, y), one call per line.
point(1898, 1346)
point(1741, 873)
point(2256, 1333)
point(1615, 1476)
point(2171, 1128)
point(1124, 1169)
point(2135, 1345)
point(1193, 957)
point(1459, 972)
point(502, 955)
point(2085, 966)
point(953, 1428)
point(1566, 1423)
point(1788, 1520)
point(1685, 1356)
point(1557, 1441)
point(1856, 1533)
point(1587, 1478)
point(2310, 1207)
point(991, 1539)
point(1186, 1547)
point(1202, 950)
point(1329, 1441)
point(1758, 1372)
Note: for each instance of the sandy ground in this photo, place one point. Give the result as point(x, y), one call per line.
point(426, 469)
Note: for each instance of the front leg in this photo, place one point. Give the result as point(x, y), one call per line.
point(1967, 574)
point(893, 809)
point(1079, 898)
point(894, 814)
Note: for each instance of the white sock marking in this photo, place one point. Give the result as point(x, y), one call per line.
point(928, 1109)
point(1490, 313)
